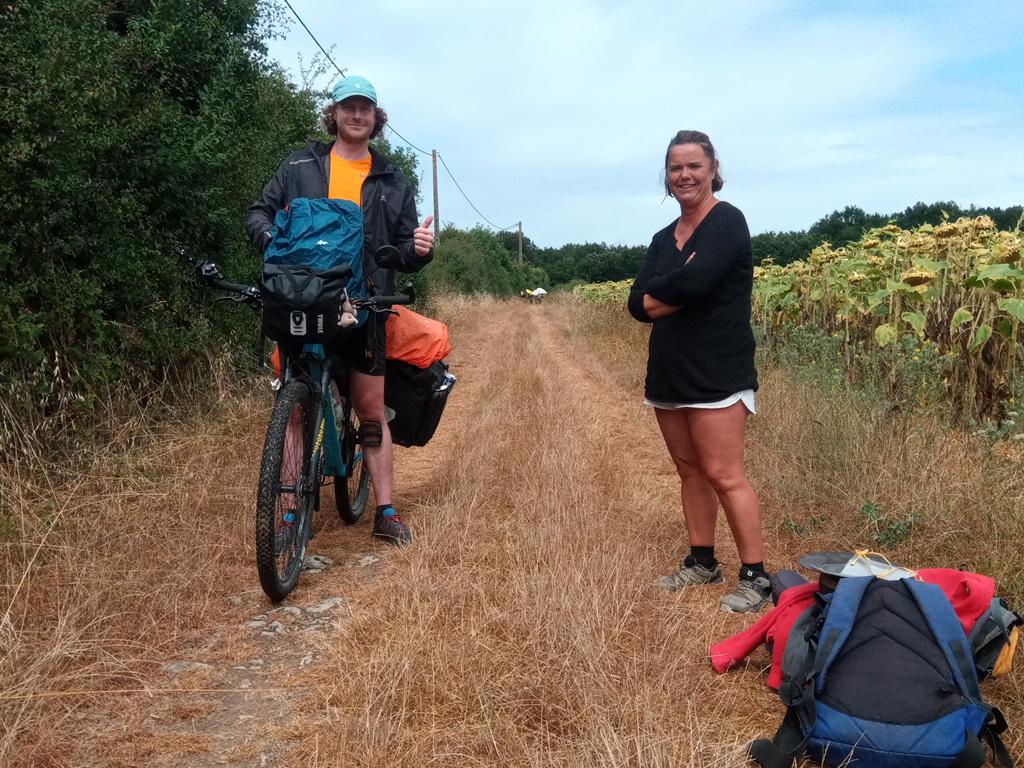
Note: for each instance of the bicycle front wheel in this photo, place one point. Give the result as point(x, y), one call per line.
point(284, 501)
point(351, 491)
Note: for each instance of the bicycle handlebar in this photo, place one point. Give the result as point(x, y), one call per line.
point(245, 291)
point(383, 302)
point(208, 272)
point(250, 294)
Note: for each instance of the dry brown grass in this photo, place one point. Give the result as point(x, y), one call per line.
point(120, 554)
point(818, 458)
point(521, 629)
point(823, 462)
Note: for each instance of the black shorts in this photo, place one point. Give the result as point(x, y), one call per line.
point(365, 348)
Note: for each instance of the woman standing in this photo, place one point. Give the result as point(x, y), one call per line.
point(694, 287)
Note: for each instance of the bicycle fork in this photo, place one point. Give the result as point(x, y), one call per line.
point(316, 456)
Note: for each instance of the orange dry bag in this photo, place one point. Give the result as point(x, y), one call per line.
point(415, 339)
point(275, 361)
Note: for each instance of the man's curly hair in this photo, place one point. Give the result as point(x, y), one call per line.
point(330, 121)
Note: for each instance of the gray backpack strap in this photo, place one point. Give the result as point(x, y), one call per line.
point(973, 754)
point(796, 692)
point(990, 634)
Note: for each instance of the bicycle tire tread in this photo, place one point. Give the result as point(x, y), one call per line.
point(267, 494)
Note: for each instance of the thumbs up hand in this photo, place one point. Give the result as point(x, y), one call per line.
point(423, 237)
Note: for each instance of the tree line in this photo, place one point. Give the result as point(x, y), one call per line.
point(575, 263)
point(850, 224)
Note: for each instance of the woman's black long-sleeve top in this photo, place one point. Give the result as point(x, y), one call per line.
point(704, 352)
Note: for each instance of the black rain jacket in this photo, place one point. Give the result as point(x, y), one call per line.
point(704, 352)
point(388, 205)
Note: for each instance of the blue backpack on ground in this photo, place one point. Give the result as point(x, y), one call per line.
point(879, 674)
point(313, 260)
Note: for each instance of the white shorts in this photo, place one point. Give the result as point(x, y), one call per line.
point(746, 396)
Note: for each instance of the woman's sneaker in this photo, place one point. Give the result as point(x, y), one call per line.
point(753, 592)
point(388, 526)
point(691, 572)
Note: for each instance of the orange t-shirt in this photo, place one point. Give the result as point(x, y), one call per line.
point(346, 182)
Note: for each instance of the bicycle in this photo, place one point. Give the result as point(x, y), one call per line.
point(304, 444)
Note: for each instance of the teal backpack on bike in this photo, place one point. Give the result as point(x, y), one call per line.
point(314, 259)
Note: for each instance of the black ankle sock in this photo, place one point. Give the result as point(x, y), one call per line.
point(704, 556)
point(750, 571)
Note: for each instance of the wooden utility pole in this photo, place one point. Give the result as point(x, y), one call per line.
point(520, 243)
point(437, 216)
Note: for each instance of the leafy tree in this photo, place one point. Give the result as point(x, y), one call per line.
point(782, 247)
point(845, 226)
point(919, 213)
point(406, 160)
point(589, 262)
point(129, 130)
point(510, 240)
point(1005, 218)
point(477, 261)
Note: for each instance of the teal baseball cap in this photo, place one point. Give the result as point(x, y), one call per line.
point(353, 85)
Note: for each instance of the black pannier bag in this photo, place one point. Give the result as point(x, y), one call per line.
point(302, 304)
point(417, 396)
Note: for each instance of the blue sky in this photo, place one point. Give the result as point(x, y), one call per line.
point(558, 114)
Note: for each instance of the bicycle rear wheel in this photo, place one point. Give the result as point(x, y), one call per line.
point(284, 501)
point(351, 491)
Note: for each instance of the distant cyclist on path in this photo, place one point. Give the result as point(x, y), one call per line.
point(347, 168)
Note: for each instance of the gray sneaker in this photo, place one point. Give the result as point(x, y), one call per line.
point(749, 595)
point(691, 572)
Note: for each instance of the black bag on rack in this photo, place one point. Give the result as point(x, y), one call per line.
point(302, 304)
point(417, 396)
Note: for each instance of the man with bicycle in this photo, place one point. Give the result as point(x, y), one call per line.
point(348, 168)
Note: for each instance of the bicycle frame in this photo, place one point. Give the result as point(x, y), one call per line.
point(317, 365)
point(312, 365)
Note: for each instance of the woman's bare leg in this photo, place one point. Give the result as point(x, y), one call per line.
point(700, 502)
point(717, 436)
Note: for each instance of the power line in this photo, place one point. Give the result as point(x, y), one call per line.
point(325, 53)
point(449, 171)
point(341, 71)
point(422, 151)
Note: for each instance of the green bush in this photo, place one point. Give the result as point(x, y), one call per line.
point(476, 261)
point(130, 130)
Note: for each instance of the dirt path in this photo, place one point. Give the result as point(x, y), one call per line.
point(244, 686)
point(544, 509)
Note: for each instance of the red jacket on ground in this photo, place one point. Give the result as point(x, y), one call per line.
point(970, 594)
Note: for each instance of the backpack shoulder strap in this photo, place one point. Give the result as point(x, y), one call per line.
point(949, 632)
point(796, 691)
point(842, 613)
point(815, 640)
point(973, 754)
